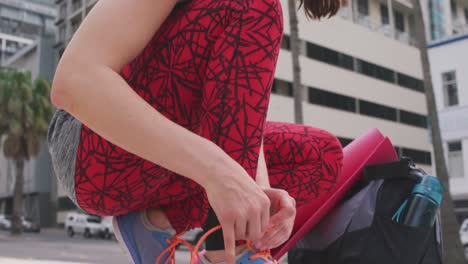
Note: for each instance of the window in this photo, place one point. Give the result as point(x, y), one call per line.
point(65, 204)
point(329, 56)
point(281, 87)
point(379, 111)
point(410, 82)
point(375, 71)
point(286, 44)
point(399, 21)
point(333, 100)
point(421, 157)
point(344, 141)
point(466, 19)
point(449, 85)
point(384, 14)
point(363, 7)
point(413, 119)
point(455, 159)
point(453, 7)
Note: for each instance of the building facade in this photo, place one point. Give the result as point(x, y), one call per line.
point(21, 22)
point(359, 70)
point(26, 43)
point(449, 69)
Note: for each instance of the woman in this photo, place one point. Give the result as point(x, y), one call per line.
point(172, 98)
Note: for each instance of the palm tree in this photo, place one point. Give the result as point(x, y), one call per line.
point(454, 253)
point(25, 111)
point(295, 52)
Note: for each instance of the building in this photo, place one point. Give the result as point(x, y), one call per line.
point(449, 68)
point(26, 43)
point(21, 22)
point(360, 70)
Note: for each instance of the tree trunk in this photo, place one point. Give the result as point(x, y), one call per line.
point(295, 51)
point(16, 223)
point(454, 253)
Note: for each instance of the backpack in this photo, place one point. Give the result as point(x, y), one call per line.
point(360, 230)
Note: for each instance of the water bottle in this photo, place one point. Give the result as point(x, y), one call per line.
point(423, 204)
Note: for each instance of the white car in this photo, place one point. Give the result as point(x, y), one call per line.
point(464, 233)
point(5, 223)
point(84, 224)
point(108, 228)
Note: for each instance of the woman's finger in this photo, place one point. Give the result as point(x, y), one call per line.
point(241, 229)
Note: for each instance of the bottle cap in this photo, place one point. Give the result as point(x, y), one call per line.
point(431, 187)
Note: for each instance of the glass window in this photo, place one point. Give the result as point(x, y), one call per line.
point(453, 7)
point(329, 56)
point(333, 100)
point(399, 21)
point(449, 85)
point(455, 159)
point(410, 82)
point(413, 119)
point(286, 44)
point(421, 157)
point(376, 110)
point(466, 19)
point(454, 146)
point(281, 87)
point(375, 71)
point(384, 14)
point(363, 7)
point(344, 141)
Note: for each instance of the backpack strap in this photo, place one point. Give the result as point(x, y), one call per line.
point(401, 169)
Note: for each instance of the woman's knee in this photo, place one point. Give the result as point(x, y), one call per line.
point(286, 143)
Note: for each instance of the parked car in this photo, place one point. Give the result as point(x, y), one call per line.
point(28, 226)
point(464, 233)
point(108, 229)
point(5, 223)
point(84, 224)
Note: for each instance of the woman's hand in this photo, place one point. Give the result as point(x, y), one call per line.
point(281, 222)
point(242, 207)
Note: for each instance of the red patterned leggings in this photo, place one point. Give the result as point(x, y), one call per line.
point(209, 68)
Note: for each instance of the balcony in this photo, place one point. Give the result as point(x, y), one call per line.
point(376, 26)
point(76, 5)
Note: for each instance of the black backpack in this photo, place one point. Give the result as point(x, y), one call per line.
point(361, 231)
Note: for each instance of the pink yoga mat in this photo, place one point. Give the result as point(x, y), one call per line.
point(370, 148)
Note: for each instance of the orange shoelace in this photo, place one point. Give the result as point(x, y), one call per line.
point(171, 249)
point(195, 257)
point(265, 254)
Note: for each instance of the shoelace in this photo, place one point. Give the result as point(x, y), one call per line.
point(265, 254)
point(195, 258)
point(171, 249)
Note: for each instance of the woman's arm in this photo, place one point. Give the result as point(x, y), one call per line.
point(88, 86)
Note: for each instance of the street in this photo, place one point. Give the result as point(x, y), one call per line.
point(54, 247)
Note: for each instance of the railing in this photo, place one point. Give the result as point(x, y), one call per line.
point(384, 29)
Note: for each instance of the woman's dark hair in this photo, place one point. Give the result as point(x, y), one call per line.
point(316, 9)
